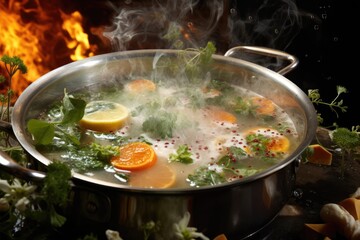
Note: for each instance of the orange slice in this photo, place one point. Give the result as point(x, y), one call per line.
point(104, 116)
point(141, 85)
point(263, 105)
point(219, 115)
point(134, 156)
point(158, 176)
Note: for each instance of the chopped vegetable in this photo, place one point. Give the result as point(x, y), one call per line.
point(141, 86)
point(342, 220)
point(317, 154)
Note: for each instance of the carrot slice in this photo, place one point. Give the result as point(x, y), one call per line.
point(264, 106)
point(219, 115)
point(220, 237)
point(327, 230)
point(135, 156)
point(278, 144)
point(141, 85)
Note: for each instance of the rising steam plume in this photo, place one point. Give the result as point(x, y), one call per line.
point(148, 24)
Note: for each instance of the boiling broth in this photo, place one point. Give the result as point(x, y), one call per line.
point(224, 127)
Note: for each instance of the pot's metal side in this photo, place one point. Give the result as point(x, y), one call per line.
point(237, 212)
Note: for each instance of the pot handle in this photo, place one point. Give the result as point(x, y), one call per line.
point(269, 52)
point(10, 166)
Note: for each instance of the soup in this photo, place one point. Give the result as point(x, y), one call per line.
point(165, 133)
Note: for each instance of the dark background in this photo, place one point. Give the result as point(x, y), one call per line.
point(328, 56)
point(322, 38)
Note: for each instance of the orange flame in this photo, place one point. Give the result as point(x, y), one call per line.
point(79, 39)
point(43, 36)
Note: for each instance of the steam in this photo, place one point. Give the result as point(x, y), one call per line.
point(272, 24)
point(155, 24)
point(179, 24)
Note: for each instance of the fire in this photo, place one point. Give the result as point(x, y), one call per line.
point(79, 39)
point(43, 36)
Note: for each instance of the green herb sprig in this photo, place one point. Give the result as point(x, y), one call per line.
point(335, 104)
point(29, 207)
point(347, 140)
point(12, 65)
point(44, 132)
point(182, 155)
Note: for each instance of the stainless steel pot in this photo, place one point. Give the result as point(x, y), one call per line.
point(237, 209)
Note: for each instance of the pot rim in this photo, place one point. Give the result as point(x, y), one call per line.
point(20, 106)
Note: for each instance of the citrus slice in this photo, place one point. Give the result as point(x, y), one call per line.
point(104, 116)
point(219, 115)
point(158, 176)
point(141, 85)
point(134, 156)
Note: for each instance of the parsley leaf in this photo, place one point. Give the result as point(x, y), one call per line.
point(203, 176)
point(183, 155)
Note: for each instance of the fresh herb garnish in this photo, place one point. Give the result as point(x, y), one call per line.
point(90, 157)
point(182, 155)
point(198, 64)
point(347, 140)
point(231, 162)
point(44, 131)
point(203, 176)
point(335, 104)
point(258, 144)
point(29, 207)
point(147, 108)
point(160, 125)
point(231, 159)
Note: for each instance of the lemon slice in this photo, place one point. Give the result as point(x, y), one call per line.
point(104, 116)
